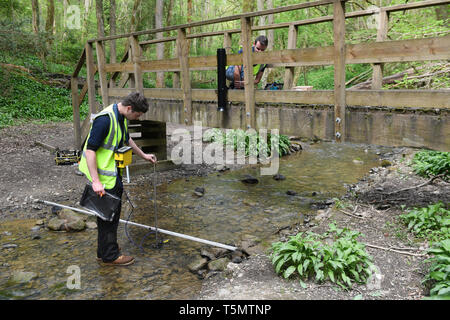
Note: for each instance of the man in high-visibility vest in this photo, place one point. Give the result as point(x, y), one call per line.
point(109, 132)
point(236, 73)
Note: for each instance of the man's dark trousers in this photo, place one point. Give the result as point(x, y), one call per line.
point(107, 247)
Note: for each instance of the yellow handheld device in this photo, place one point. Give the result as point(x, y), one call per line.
point(123, 157)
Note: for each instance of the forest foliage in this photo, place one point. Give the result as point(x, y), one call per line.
point(49, 36)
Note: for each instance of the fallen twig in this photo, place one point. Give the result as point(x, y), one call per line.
point(418, 186)
point(350, 214)
point(393, 250)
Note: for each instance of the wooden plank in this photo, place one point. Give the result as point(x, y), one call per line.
point(382, 31)
point(90, 80)
point(292, 44)
point(379, 52)
point(339, 70)
point(150, 142)
point(400, 50)
point(161, 65)
point(437, 48)
point(120, 67)
point(315, 97)
point(101, 62)
point(76, 113)
point(155, 41)
point(428, 99)
point(249, 82)
point(124, 58)
point(136, 54)
point(183, 53)
point(416, 5)
point(80, 64)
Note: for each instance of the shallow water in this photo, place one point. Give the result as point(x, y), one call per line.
point(228, 210)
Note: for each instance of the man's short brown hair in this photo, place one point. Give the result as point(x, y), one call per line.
point(263, 40)
point(137, 101)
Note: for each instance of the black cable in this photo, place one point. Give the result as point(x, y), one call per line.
point(158, 243)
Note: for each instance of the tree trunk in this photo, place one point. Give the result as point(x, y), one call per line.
point(134, 16)
point(262, 19)
point(159, 46)
point(442, 14)
point(99, 15)
point(189, 20)
point(112, 32)
point(248, 5)
point(35, 17)
point(168, 45)
point(87, 4)
point(50, 16)
point(271, 39)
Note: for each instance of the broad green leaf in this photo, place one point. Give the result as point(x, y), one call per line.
point(304, 286)
point(289, 271)
point(331, 275)
point(279, 265)
point(300, 269)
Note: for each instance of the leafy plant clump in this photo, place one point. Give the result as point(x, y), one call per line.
point(430, 163)
point(344, 261)
point(432, 222)
point(24, 99)
point(439, 272)
point(249, 142)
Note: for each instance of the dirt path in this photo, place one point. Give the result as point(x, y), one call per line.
point(29, 172)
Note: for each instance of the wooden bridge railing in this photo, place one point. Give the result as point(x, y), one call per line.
point(339, 55)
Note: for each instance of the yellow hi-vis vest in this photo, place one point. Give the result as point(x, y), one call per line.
point(106, 165)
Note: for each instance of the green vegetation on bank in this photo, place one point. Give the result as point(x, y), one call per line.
point(431, 223)
point(249, 142)
point(309, 255)
point(430, 163)
point(24, 99)
point(438, 277)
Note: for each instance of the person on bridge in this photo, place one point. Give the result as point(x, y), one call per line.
point(108, 133)
point(236, 73)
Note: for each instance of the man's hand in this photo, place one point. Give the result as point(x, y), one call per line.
point(150, 157)
point(98, 188)
point(146, 156)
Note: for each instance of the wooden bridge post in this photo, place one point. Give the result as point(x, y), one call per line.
point(183, 55)
point(101, 62)
point(292, 44)
point(377, 76)
point(136, 58)
point(249, 83)
point(76, 112)
point(227, 42)
point(339, 70)
point(90, 72)
point(176, 74)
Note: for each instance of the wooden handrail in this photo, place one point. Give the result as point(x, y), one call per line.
point(355, 14)
point(220, 20)
point(80, 64)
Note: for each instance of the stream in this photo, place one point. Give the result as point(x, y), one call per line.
point(43, 267)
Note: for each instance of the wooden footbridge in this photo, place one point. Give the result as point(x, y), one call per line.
point(418, 118)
